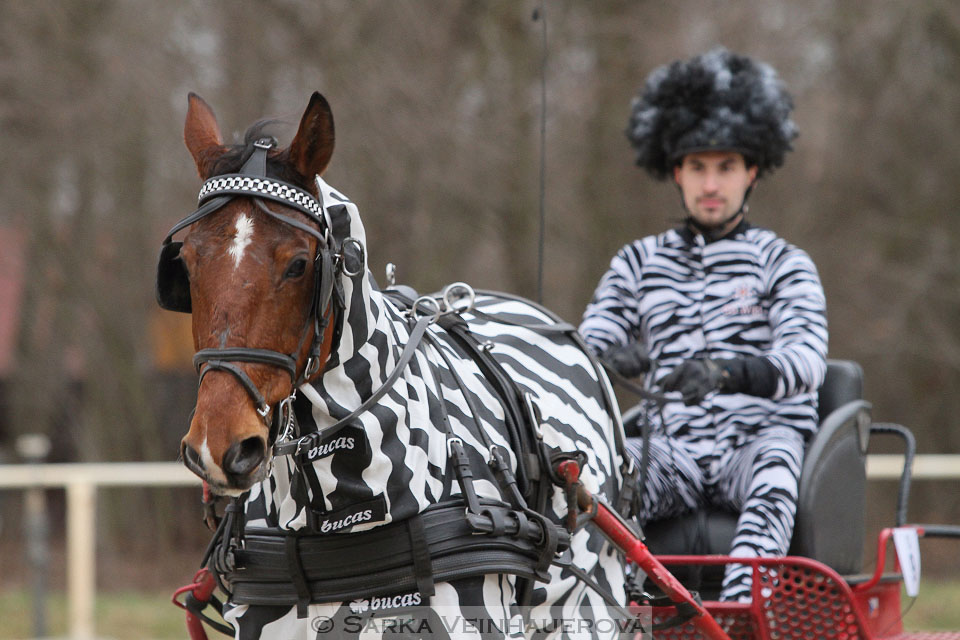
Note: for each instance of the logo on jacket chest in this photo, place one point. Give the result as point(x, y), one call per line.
point(745, 301)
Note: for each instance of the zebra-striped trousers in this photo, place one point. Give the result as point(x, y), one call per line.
point(756, 475)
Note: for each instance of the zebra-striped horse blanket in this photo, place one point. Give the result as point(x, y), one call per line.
point(393, 464)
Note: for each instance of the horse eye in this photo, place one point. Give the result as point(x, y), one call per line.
point(296, 269)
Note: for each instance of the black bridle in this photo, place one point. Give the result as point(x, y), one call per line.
point(173, 279)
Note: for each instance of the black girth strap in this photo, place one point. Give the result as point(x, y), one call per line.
point(506, 391)
point(344, 566)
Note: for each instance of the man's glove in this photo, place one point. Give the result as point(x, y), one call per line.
point(751, 375)
point(694, 379)
point(629, 360)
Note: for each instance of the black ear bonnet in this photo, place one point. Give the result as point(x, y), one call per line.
point(714, 101)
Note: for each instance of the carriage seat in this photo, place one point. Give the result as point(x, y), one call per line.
point(832, 501)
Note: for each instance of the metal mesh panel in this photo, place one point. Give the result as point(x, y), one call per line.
point(801, 602)
point(796, 602)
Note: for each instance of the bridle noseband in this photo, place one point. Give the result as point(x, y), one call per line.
point(173, 279)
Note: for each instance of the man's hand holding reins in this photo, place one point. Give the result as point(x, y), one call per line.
point(629, 360)
point(694, 379)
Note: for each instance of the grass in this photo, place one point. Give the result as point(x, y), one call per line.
point(937, 608)
point(126, 616)
point(150, 616)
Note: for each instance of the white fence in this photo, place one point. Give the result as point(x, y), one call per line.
point(82, 481)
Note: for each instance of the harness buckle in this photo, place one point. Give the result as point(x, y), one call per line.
point(630, 466)
point(263, 410)
point(302, 444)
point(533, 414)
point(351, 270)
point(450, 443)
point(391, 273)
point(312, 366)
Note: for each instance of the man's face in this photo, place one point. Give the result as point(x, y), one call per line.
point(713, 184)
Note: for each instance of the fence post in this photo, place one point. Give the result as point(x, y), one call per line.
point(33, 449)
point(81, 562)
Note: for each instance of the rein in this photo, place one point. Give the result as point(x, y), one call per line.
point(443, 306)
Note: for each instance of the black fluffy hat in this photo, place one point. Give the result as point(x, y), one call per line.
point(717, 100)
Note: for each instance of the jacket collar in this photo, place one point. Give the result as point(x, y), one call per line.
point(688, 231)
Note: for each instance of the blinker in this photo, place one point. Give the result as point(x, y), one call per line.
point(173, 280)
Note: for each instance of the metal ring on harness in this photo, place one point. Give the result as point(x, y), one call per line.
point(287, 417)
point(346, 259)
point(426, 301)
point(450, 301)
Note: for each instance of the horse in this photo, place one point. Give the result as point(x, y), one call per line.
point(383, 452)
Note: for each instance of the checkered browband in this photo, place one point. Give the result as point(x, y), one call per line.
point(244, 185)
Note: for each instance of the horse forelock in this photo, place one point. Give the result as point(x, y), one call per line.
point(278, 164)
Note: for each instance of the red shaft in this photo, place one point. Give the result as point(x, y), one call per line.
point(195, 627)
point(202, 590)
point(636, 551)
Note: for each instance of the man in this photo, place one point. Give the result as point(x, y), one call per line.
point(732, 315)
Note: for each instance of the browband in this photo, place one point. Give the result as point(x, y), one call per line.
point(237, 184)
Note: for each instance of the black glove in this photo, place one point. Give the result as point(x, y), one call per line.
point(751, 375)
point(694, 379)
point(629, 360)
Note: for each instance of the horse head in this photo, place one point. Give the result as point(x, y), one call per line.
point(254, 269)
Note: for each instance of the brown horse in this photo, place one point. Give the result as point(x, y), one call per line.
point(383, 450)
point(257, 286)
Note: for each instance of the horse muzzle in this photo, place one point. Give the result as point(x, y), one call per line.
point(244, 463)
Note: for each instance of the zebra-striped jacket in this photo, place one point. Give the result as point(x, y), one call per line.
point(750, 293)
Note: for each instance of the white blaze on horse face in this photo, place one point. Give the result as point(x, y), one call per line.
point(241, 239)
point(208, 464)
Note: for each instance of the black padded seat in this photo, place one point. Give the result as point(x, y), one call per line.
point(833, 484)
point(830, 522)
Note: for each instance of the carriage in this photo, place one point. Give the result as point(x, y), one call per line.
point(417, 459)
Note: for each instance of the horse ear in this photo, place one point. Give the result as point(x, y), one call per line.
point(202, 134)
point(312, 147)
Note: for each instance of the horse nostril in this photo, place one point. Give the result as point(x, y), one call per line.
point(191, 458)
point(243, 457)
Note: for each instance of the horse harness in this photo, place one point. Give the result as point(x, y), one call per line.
point(455, 539)
point(460, 538)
